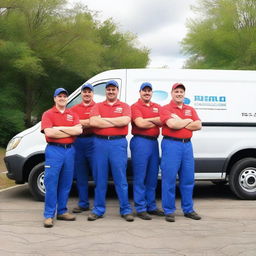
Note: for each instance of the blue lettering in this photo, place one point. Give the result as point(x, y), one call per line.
point(210, 98)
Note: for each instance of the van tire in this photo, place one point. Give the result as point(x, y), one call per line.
point(242, 178)
point(35, 182)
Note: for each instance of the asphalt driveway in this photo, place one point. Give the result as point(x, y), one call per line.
point(228, 227)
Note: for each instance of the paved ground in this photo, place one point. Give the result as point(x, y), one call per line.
point(227, 228)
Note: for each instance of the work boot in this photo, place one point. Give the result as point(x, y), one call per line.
point(66, 216)
point(48, 223)
point(128, 217)
point(156, 212)
point(80, 209)
point(170, 217)
point(144, 215)
point(92, 216)
point(192, 215)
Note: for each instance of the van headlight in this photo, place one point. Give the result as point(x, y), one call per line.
point(13, 143)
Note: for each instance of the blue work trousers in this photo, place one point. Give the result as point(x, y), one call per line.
point(83, 160)
point(145, 166)
point(59, 169)
point(177, 158)
point(110, 154)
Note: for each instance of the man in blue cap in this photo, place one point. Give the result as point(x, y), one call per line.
point(145, 153)
point(84, 147)
point(60, 127)
point(110, 120)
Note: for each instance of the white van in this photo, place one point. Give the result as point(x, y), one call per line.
point(225, 148)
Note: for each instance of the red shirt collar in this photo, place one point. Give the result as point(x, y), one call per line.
point(116, 103)
point(141, 102)
point(174, 105)
point(57, 111)
point(90, 104)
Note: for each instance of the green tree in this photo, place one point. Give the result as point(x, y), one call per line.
point(119, 49)
point(223, 36)
point(44, 45)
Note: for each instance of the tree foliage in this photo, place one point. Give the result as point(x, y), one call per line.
point(45, 45)
point(224, 35)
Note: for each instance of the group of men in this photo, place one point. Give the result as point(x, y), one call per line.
point(92, 136)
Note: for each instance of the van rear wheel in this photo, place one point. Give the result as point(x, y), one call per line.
point(36, 182)
point(242, 178)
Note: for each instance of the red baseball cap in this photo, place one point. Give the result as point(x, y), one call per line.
point(176, 85)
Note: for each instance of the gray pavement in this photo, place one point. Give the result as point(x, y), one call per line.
point(227, 228)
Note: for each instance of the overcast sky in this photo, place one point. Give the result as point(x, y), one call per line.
point(158, 24)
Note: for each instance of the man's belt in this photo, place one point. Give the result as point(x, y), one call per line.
point(111, 137)
point(85, 135)
point(146, 137)
point(177, 139)
point(61, 144)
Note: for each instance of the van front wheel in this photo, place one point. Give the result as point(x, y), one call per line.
point(242, 178)
point(36, 182)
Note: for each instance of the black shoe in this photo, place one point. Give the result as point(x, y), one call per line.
point(192, 215)
point(92, 216)
point(128, 217)
point(156, 212)
point(170, 217)
point(80, 209)
point(144, 215)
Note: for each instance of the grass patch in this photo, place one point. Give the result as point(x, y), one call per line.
point(2, 165)
point(5, 182)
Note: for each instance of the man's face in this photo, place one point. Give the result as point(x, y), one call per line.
point(111, 93)
point(87, 95)
point(146, 94)
point(178, 95)
point(61, 100)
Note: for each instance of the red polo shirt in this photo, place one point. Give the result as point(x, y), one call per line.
point(53, 117)
point(184, 112)
point(140, 109)
point(83, 112)
point(103, 109)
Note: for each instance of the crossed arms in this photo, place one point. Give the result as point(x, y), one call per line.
point(175, 122)
point(59, 132)
point(107, 122)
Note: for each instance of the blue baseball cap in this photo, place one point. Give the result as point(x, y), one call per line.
point(89, 86)
point(146, 84)
point(113, 83)
point(60, 90)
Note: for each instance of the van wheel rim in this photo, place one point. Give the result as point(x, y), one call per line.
point(40, 183)
point(247, 179)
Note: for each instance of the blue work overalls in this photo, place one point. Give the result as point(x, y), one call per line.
point(110, 154)
point(177, 158)
point(145, 166)
point(83, 160)
point(59, 169)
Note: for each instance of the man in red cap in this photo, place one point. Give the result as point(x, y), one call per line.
point(179, 122)
point(60, 127)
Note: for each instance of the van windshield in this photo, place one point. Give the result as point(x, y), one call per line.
point(99, 95)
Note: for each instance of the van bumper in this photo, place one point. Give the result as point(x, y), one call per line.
point(14, 165)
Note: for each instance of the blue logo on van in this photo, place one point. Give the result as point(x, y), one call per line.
point(186, 101)
point(210, 102)
point(159, 95)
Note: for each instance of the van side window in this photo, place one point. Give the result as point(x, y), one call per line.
point(99, 95)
